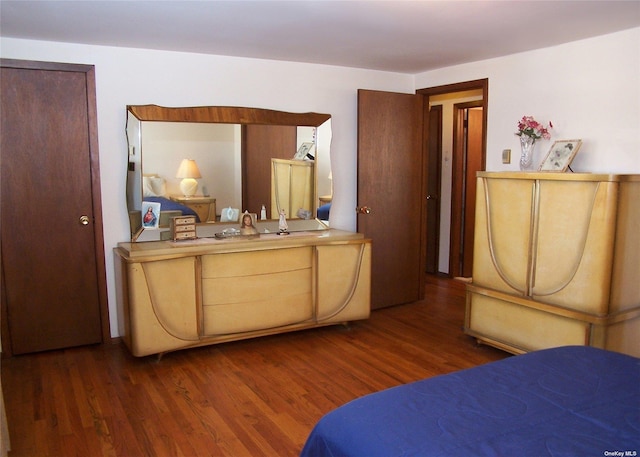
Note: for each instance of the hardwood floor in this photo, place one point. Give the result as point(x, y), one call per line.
point(258, 397)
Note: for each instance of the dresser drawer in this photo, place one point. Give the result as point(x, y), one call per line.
point(519, 328)
point(249, 291)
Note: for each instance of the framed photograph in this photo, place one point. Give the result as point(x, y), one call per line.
point(248, 224)
point(305, 151)
point(560, 155)
point(150, 215)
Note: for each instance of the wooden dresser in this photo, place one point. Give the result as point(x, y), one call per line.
point(174, 295)
point(556, 261)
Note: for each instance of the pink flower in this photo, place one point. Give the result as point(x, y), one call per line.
point(530, 127)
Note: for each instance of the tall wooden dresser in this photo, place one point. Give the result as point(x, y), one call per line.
point(556, 261)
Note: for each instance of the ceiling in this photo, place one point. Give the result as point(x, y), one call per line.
point(404, 36)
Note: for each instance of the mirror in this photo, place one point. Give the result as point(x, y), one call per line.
point(245, 157)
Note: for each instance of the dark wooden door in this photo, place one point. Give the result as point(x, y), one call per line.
point(261, 143)
point(390, 184)
point(433, 174)
point(52, 277)
point(468, 159)
point(474, 164)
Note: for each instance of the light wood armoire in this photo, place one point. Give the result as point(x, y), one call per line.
point(556, 261)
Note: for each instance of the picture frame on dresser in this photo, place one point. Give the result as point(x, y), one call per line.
point(560, 155)
point(248, 224)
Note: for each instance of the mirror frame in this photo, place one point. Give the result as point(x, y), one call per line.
point(221, 115)
point(226, 115)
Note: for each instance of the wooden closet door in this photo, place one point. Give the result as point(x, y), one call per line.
point(391, 183)
point(52, 277)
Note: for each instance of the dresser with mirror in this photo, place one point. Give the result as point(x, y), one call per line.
point(222, 286)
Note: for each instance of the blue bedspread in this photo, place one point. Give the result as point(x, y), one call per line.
point(170, 205)
point(569, 401)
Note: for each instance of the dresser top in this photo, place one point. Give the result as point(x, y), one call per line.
point(558, 176)
point(153, 250)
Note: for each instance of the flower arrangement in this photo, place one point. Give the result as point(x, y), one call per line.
point(528, 126)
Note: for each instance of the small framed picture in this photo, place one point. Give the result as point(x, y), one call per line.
point(560, 155)
point(305, 152)
point(248, 224)
point(150, 215)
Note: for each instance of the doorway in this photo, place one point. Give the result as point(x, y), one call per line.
point(463, 153)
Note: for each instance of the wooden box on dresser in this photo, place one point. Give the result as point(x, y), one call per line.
point(175, 295)
point(556, 261)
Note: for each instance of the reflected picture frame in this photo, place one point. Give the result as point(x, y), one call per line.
point(560, 155)
point(305, 152)
point(150, 215)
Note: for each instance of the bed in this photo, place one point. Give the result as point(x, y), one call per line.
point(568, 401)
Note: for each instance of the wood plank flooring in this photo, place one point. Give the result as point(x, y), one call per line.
point(258, 397)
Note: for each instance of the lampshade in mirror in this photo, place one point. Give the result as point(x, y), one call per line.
point(188, 172)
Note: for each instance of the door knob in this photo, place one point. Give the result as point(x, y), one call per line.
point(431, 197)
point(363, 210)
point(84, 220)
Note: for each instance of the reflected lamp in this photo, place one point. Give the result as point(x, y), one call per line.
point(188, 172)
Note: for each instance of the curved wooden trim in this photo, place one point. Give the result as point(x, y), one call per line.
point(491, 236)
point(155, 308)
point(350, 292)
point(226, 115)
point(579, 252)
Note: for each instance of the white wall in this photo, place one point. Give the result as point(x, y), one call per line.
point(589, 89)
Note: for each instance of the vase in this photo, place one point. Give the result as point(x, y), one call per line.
point(527, 145)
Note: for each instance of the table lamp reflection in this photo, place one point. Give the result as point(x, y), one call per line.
point(189, 172)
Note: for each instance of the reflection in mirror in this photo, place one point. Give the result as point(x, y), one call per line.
point(215, 148)
point(237, 151)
